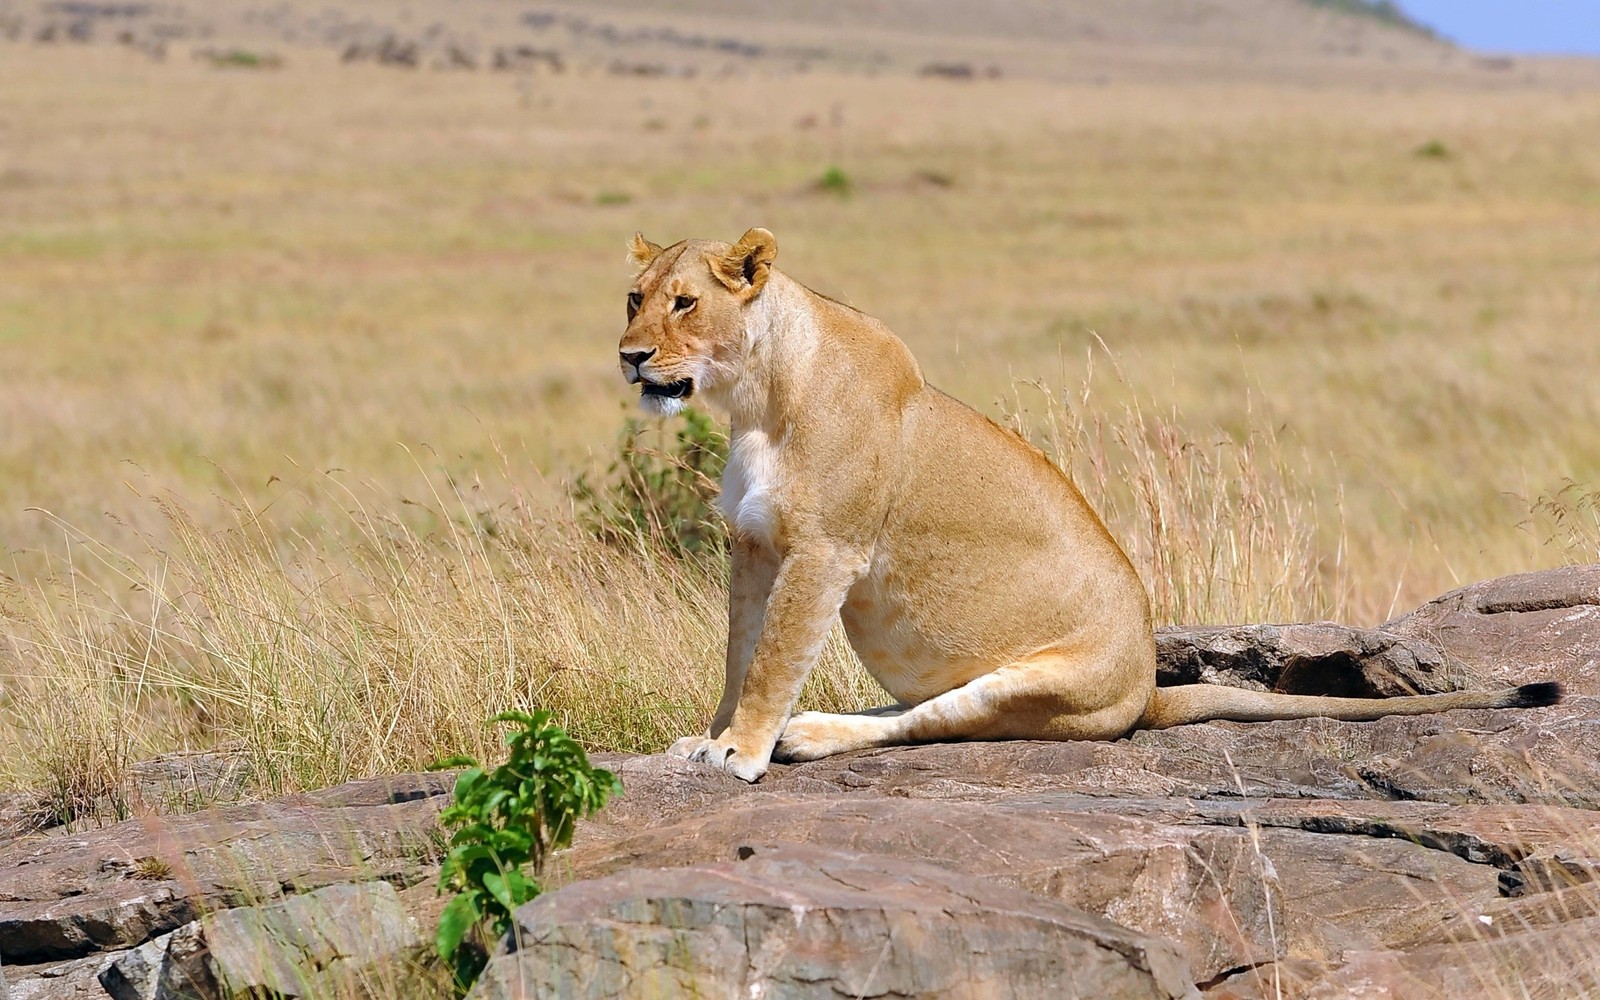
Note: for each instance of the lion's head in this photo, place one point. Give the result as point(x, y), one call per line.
point(686, 327)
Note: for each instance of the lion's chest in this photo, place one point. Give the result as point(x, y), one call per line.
point(750, 487)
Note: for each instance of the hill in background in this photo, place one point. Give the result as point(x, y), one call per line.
point(1312, 41)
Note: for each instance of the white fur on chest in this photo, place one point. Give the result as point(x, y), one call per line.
point(749, 487)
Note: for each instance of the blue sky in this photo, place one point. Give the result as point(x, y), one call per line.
point(1557, 26)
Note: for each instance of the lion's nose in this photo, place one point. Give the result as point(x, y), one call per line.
point(637, 358)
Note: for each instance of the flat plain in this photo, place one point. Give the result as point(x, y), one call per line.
point(302, 353)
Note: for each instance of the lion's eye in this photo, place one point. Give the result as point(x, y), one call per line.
point(683, 303)
point(635, 300)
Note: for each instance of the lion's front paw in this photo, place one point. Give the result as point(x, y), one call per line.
point(721, 754)
point(815, 735)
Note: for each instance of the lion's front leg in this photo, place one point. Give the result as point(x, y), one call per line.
point(806, 592)
point(751, 576)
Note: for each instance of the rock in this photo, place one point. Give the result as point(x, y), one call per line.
point(1534, 848)
point(657, 787)
point(300, 946)
point(1161, 880)
point(1549, 755)
point(185, 782)
point(160, 786)
point(1338, 894)
point(165, 968)
point(1498, 633)
point(1517, 915)
point(1313, 658)
point(1228, 899)
point(1518, 629)
point(423, 904)
point(800, 923)
point(1556, 962)
point(117, 887)
point(22, 813)
point(74, 980)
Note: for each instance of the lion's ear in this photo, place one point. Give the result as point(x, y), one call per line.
point(746, 266)
point(641, 251)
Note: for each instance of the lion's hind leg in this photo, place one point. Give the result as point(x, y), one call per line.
point(1053, 695)
point(814, 735)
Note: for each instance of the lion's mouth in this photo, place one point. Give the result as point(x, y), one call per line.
point(671, 390)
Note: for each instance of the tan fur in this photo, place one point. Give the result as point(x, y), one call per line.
point(973, 579)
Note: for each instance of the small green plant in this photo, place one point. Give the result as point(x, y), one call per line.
point(613, 198)
point(1433, 149)
point(505, 821)
point(241, 59)
point(835, 181)
point(660, 497)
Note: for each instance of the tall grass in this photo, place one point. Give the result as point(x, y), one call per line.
point(1221, 528)
point(373, 646)
point(1567, 520)
point(344, 632)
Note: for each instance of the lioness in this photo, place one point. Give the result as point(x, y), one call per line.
point(974, 581)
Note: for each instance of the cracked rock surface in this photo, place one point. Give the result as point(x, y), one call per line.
point(803, 922)
point(65, 896)
point(1442, 856)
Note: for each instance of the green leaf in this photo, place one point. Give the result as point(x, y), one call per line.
point(520, 887)
point(467, 781)
point(495, 882)
point(457, 918)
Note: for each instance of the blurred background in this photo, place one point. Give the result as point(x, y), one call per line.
point(308, 313)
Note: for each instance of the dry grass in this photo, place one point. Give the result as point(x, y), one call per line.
point(1221, 529)
point(1341, 364)
point(379, 641)
point(1568, 520)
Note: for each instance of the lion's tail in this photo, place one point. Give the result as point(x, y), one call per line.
point(1176, 706)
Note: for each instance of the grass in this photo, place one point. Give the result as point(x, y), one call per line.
point(151, 869)
point(304, 395)
point(1221, 529)
point(378, 641)
point(1568, 519)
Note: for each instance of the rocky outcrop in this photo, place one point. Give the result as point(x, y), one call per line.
point(74, 980)
point(1234, 878)
point(311, 944)
point(1517, 629)
point(1439, 856)
point(1314, 658)
point(1512, 630)
point(801, 922)
point(1158, 878)
point(67, 896)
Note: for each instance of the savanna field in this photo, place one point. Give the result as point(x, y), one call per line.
point(301, 367)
